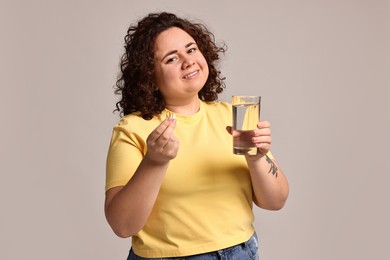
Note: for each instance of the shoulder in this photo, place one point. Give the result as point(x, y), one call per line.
point(219, 111)
point(130, 119)
point(134, 123)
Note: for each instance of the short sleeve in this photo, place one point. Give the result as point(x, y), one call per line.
point(124, 155)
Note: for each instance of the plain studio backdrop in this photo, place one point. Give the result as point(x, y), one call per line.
point(321, 67)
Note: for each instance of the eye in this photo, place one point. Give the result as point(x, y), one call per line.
point(191, 50)
point(172, 59)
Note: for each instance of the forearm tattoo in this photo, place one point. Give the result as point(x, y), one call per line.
point(273, 169)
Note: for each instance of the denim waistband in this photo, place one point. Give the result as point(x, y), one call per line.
point(247, 250)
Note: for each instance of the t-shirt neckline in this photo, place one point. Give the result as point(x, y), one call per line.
point(184, 118)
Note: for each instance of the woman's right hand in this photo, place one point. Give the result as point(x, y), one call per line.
point(162, 144)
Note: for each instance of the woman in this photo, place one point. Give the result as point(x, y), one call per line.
point(173, 183)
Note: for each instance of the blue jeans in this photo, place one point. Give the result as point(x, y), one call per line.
point(244, 251)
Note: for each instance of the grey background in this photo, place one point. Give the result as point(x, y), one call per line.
point(322, 68)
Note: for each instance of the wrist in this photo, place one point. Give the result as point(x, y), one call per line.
point(254, 157)
point(160, 162)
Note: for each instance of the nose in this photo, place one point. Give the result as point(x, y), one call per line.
point(187, 63)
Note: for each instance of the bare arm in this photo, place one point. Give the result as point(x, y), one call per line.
point(270, 186)
point(128, 207)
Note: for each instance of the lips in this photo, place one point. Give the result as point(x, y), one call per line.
point(190, 75)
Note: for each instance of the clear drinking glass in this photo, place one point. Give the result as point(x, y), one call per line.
point(246, 115)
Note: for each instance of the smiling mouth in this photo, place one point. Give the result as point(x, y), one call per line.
point(191, 74)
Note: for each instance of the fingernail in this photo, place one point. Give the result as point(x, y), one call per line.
point(172, 118)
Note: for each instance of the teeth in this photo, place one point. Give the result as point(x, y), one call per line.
point(190, 75)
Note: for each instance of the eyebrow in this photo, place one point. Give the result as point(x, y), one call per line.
point(175, 51)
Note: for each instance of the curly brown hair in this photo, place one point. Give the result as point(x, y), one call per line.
point(136, 84)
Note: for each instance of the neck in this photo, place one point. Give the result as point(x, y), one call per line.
point(185, 108)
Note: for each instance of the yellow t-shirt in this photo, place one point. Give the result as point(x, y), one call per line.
point(205, 200)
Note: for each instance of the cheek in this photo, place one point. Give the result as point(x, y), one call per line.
point(163, 75)
point(203, 62)
point(170, 75)
point(206, 68)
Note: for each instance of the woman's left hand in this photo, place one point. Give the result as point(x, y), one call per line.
point(261, 137)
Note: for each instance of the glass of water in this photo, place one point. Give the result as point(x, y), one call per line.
point(246, 115)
